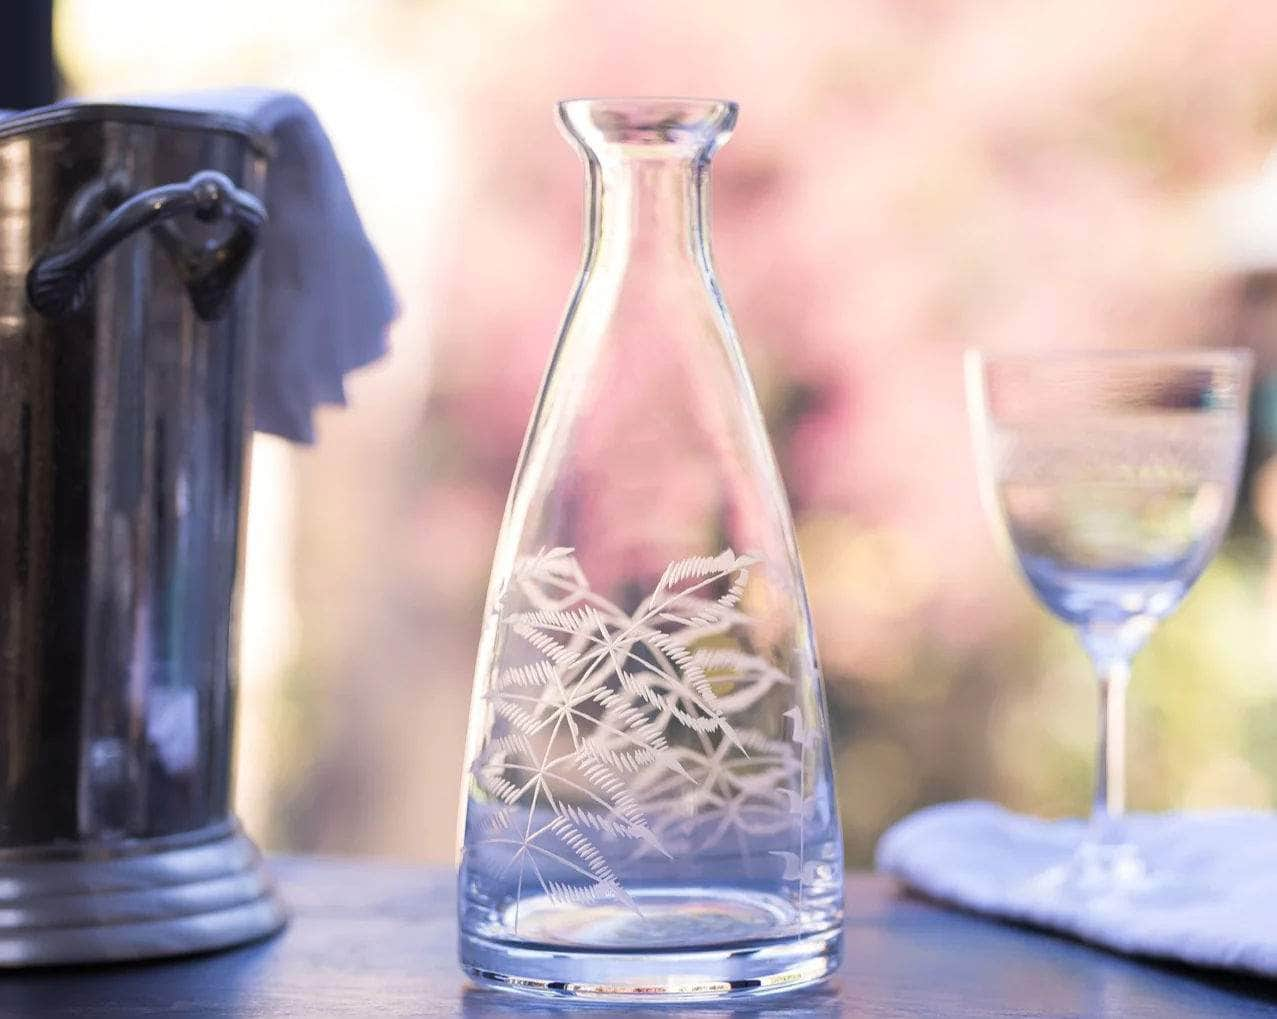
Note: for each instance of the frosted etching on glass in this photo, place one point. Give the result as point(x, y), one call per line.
point(583, 730)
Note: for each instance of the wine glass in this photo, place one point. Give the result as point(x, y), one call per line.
point(1114, 477)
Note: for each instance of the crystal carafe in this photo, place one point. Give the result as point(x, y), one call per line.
point(648, 806)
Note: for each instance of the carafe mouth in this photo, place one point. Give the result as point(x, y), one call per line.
point(658, 126)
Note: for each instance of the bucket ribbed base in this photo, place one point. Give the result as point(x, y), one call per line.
point(137, 901)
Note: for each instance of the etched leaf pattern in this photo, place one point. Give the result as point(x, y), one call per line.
point(619, 728)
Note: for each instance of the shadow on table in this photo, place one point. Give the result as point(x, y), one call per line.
point(1115, 978)
point(1256, 988)
point(812, 1003)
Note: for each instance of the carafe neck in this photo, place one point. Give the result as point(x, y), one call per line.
point(649, 212)
point(649, 167)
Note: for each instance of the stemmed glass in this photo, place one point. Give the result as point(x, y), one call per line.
point(1114, 477)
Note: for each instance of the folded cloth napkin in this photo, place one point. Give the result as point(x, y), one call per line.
point(326, 302)
point(1208, 896)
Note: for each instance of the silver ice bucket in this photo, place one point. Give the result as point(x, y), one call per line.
point(127, 298)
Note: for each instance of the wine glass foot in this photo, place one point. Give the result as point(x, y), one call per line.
point(1098, 869)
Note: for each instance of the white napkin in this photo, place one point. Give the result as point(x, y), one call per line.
point(325, 300)
point(1209, 897)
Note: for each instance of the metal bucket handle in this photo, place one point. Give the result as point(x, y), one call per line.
point(57, 284)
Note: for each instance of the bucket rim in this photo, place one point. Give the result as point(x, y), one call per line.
point(73, 112)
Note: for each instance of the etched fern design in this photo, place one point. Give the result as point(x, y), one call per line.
point(613, 728)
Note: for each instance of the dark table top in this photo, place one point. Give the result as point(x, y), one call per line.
point(378, 939)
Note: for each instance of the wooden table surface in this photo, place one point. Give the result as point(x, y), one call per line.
point(375, 939)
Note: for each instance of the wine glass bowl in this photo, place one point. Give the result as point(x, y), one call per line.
point(1113, 477)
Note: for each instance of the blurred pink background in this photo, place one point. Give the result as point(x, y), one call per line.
point(906, 180)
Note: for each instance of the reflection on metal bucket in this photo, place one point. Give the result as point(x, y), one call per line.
point(127, 297)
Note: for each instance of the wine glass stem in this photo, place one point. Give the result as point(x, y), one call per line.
point(1110, 767)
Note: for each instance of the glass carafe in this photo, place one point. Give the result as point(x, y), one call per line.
point(648, 806)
